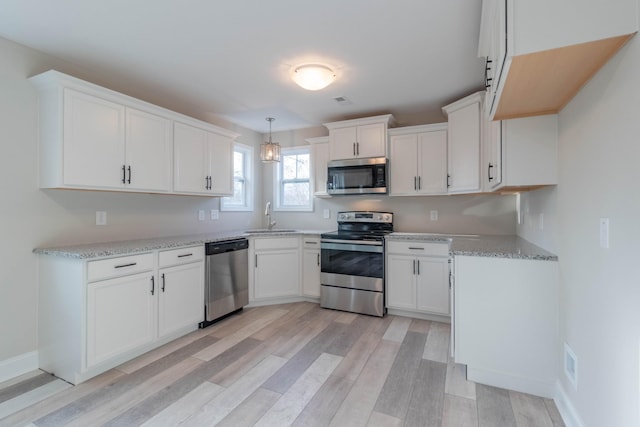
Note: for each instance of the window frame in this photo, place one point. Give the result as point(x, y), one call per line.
point(248, 153)
point(278, 187)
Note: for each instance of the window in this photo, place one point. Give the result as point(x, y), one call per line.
point(242, 199)
point(293, 180)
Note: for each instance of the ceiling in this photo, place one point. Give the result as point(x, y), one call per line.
point(231, 59)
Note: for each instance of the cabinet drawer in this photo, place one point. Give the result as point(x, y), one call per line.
point(279, 243)
point(311, 242)
point(180, 256)
point(417, 247)
point(117, 267)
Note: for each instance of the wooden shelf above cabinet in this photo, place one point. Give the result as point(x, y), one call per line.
point(544, 82)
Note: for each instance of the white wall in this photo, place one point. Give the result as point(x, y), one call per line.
point(599, 176)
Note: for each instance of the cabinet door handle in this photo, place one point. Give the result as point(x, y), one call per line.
point(129, 170)
point(256, 256)
point(153, 285)
point(126, 265)
point(354, 149)
point(184, 255)
point(415, 182)
point(318, 260)
point(124, 174)
point(418, 264)
point(358, 148)
point(419, 182)
point(448, 178)
point(414, 267)
point(489, 172)
point(162, 282)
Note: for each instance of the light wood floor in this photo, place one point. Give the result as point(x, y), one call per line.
point(293, 364)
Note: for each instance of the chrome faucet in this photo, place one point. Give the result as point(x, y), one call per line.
point(267, 212)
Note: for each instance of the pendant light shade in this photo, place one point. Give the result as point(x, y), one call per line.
point(269, 150)
point(313, 76)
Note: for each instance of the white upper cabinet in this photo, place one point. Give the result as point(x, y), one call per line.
point(203, 161)
point(521, 154)
point(418, 160)
point(359, 138)
point(464, 144)
point(93, 138)
point(320, 157)
point(109, 146)
point(540, 53)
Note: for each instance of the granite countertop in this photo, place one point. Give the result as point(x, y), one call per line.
point(508, 246)
point(107, 249)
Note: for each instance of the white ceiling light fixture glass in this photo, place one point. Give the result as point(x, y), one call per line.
point(313, 76)
point(269, 150)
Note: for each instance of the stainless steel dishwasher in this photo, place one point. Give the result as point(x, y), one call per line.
point(226, 284)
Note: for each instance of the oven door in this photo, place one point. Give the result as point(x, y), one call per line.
point(352, 264)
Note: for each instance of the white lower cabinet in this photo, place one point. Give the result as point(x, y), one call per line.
point(181, 293)
point(418, 277)
point(506, 322)
point(311, 267)
point(276, 267)
point(96, 314)
point(120, 316)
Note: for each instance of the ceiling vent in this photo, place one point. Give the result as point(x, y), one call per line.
point(342, 100)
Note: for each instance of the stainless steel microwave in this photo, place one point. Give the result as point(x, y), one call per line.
point(357, 176)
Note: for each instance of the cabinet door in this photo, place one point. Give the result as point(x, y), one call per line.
point(121, 316)
point(181, 291)
point(94, 136)
point(221, 164)
point(433, 285)
point(464, 149)
point(493, 150)
point(372, 140)
point(342, 143)
point(432, 161)
point(148, 151)
point(311, 273)
point(191, 162)
point(276, 274)
point(401, 282)
point(403, 164)
point(320, 154)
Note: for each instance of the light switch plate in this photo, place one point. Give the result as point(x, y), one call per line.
point(433, 215)
point(200, 215)
point(215, 214)
point(101, 218)
point(326, 214)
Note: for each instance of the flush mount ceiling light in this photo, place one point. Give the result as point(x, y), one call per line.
point(313, 76)
point(269, 150)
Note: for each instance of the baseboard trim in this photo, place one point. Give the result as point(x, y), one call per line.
point(18, 365)
point(418, 315)
point(565, 407)
point(512, 382)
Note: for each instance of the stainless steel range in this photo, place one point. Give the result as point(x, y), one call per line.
point(352, 267)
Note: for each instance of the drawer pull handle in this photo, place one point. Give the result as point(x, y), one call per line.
point(417, 249)
point(153, 285)
point(126, 265)
point(162, 282)
point(184, 255)
point(310, 243)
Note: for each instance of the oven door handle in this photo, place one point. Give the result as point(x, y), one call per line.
point(354, 246)
point(352, 242)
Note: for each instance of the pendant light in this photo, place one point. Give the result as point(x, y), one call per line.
point(269, 150)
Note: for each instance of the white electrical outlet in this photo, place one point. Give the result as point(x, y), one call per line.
point(326, 214)
point(101, 218)
point(604, 233)
point(433, 215)
point(200, 215)
point(215, 214)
